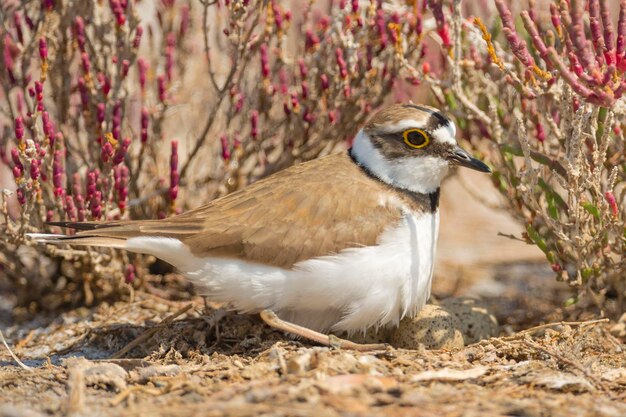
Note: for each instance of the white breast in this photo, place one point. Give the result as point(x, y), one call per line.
point(350, 291)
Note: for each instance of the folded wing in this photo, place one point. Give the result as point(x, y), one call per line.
point(309, 210)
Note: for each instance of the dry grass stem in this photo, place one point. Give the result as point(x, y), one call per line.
point(15, 358)
point(148, 333)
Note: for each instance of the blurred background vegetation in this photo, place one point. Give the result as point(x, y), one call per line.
point(137, 109)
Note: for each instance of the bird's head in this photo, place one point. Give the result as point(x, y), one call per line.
point(411, 147)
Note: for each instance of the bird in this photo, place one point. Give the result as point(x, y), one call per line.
point(342, 243)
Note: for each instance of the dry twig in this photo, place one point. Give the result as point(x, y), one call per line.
point(148, 333)
point(15, 358)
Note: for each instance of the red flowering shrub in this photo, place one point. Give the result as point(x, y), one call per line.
point(133, 110)
point(542, 95)
point(117, 109)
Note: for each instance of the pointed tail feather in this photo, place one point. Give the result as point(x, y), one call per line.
point(115, 234)
point(169, 249)
point(82, 225)
point(101, 241)
point(111, 234)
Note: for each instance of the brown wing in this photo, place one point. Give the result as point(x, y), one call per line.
point(312, 209)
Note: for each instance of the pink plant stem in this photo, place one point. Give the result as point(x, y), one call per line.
point(70, 208)
point(129, 274)
point(39, 95)
point(8, 55)
point(254, 124)
point(80, 208)
point(555, 17)
point(116, 120)
point(79, 32)
point(43, 55)
point(18, 167)
point(84, 93)
point(567, 75)
point(621, 36)
point(57, 173)
point(95, 205)
point(609, 34)
point(304, 71)
point(343, 68)
point(121, 152)
point(174, 175)
point(145, 120)
point(382, 28)
point(106, 153)
point(76, 186)
point(442, 26)
point(86, 63)
point(184, 21)
point(43, 48)
point(265, 64)
point(138, 35)
point(34, 169)
point(21, 196)
point(169, 56)
point(594, 26)
point(532, 11)
point(91, 185)
point(610, 198)
point(563, 16)
point(225, 147)
point(142, 67)
point(19, 130)
point(576, 32)
point(518, 46)
point(17, 22)
point(121, 179)
point(538, 43)
point(162, 89)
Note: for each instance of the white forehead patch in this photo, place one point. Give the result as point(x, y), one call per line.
point(445, 134)
point(401, 125)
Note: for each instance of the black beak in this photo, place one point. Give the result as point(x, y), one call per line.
point(461, 157)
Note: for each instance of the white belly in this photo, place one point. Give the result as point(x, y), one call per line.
point(350, 291)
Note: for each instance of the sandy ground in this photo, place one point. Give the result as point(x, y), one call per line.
point(156, 356)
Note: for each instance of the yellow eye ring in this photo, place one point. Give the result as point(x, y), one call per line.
point(416, 138)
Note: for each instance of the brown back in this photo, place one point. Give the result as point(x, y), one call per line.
point(312, 209)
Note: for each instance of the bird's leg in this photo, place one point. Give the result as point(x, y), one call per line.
point(213, 317)
point(272, 320)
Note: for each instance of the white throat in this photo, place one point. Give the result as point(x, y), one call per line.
point(420, 174)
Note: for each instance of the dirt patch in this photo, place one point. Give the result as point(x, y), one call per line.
point(233, 365)
point(201, 362)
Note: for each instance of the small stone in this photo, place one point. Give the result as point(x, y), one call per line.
point(432, 327)
point(615, 375)
point(8, 410)
point(144, 375)
point(299, 364)
point(99, 374)
point(476, 321)
point(108, 375)
point(619, 330)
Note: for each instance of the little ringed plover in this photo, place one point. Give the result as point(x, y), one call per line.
point(341, 243)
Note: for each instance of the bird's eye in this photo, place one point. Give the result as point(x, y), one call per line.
point(416, 138)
